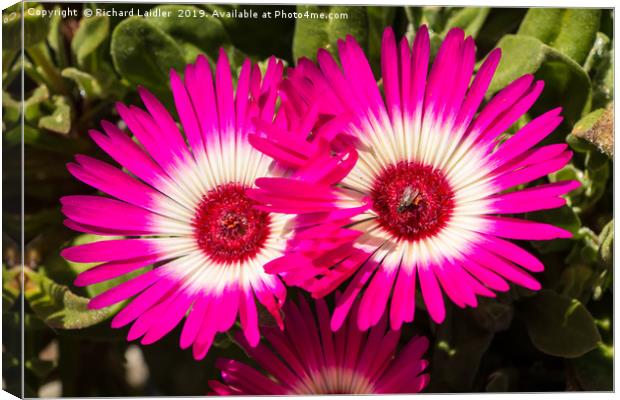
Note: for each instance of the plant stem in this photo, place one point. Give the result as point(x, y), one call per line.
point(41, 59)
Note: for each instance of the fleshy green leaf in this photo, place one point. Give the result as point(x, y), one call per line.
point(559, 325)
point(194, 27)
point(598, 53)
point(60, 120)
point(566, 83)
point(499, 22)
point(10, 287)
point(10, 109)
point(58, 306)
point(606, 249)
point(56, 39)
point(563, 217)
point(378, 19)
point(32, 105)
point(11, 69)
point(35, 27)
point(503, 380)
point(87, 84)
point(594, 370)
point(91, 34)
point(470, 19)
point(270, 33)
point(597, 128)
point(311, 35)
point(143, 54)
point(603, 80)
point(41, 368)
point(575, 280)
point(572, 31)
point(58, 144)
point(460, 344)
point(492, 315)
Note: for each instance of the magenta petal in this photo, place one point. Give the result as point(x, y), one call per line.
point(107, 213)
point(110, 250)
point(124, 290)
point(403, 300)
point(173, 315)
point(186, 111)
point(433, 298)
point(514, 253)
point(344, 304)
point(144, 301)
point(113, 269)
point(513, 228)
point(376, 296)
point(194, 320)
point(249, 317)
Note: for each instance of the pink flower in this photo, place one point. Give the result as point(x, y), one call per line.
point(307, 358)
point(180, 201)
point(425, 203)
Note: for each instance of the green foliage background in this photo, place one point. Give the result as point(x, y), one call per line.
point(77, 68)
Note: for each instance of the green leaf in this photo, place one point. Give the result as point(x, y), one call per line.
point(41, 368)
point(87, 84)
point(603, 80)
point(606, 249)
point(10, 287)
point(438, 21)
point(566, 83)
point(60, 120)
point(49, 142)
point(594, 370)
point(559, 325)
point(58, 306)
point(564, 217)
point(500, 22)
point(91, 34)
point(35, 27)
point(191, 52)
point(378, 19)
point(11, 109)
point(460, 344)
point(45, 71)
point(143, 54)
point(435, 18)
point(492, 315)
point(470, 19)
point(56, 39)
point(205, 33)
point(10, 67)
point(503, 380)
point(572, 31)
point(575, 281)
point(598, 53)
point(593, 180)
point(32, 106)
point(261, 37)
point(597, 128)
point(311, 34)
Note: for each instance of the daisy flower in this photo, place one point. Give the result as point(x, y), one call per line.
point(308, 358)
point(179, 202)
point(428, 200)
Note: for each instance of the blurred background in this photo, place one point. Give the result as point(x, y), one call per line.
point(75, 69)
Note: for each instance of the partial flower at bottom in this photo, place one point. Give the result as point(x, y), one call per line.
point(180, 202)
point(308, 358)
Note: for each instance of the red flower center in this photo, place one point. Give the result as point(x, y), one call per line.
point(227, 227)
point(413, 201)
